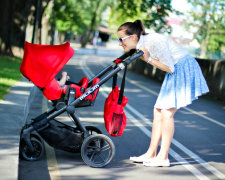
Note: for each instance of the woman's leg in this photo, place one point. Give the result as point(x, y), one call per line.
point(156, 135)
point(167, 133)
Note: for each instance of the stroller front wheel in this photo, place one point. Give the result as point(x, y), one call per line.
point(38, 150)
point(97, 150)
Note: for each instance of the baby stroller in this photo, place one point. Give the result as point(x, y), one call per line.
point(40, 65)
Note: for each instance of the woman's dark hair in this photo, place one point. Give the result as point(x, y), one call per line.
point(135, 27)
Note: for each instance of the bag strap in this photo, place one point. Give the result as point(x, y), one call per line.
point(122, 86)
point(114, 81)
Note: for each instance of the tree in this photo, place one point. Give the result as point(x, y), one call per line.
point(13, 19)
point(80, 17)
point(152, 12)
point(15, 15)
point(83, 17)
point(156, 13)
point(40, 7)
point(208, 18)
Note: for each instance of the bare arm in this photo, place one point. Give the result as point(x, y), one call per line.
point(63, 79)
point(160, 65)
point(154, 62)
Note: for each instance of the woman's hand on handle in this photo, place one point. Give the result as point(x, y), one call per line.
point(146, 54)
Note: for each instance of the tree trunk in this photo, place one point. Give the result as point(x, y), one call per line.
point(13, 20)
point(205, 43)
point(91, 29)
point(53, 27)
point(7, 8)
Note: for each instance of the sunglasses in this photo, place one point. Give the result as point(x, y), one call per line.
point(122, 39)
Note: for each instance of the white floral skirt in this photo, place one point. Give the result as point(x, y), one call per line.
point(183, 86)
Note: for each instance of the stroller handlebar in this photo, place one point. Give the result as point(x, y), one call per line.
point(127, 54)
point(127, 61)
point(134, 57)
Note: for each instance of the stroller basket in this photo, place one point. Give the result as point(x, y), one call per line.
point(59, 135)
point(97, 150)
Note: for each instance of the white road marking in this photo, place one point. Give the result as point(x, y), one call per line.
point(191, 168)
point(205, 117)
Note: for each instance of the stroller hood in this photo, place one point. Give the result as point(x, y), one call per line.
point(41, 63)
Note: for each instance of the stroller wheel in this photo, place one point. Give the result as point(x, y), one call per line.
point(93, 130)
point(97, 150)
point(38, 150)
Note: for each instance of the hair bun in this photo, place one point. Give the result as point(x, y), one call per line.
point(135, 27)
point(138, 22)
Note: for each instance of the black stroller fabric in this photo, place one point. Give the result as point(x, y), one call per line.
point(62, 136)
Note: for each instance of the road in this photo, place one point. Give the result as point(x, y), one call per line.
point(197, 150)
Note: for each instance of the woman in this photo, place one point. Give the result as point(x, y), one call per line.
point(183, 83)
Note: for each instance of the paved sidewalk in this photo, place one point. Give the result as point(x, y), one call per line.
point(11, 122)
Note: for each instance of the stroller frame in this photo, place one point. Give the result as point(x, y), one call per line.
point(92, 146)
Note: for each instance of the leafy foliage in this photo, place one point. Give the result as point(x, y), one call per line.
point(157, 11)
point(79, 16)
point(208, 19)
point(152, 12)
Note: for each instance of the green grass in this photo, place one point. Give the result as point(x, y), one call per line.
point(9, 73)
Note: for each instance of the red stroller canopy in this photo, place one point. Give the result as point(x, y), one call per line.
point(41, 63)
